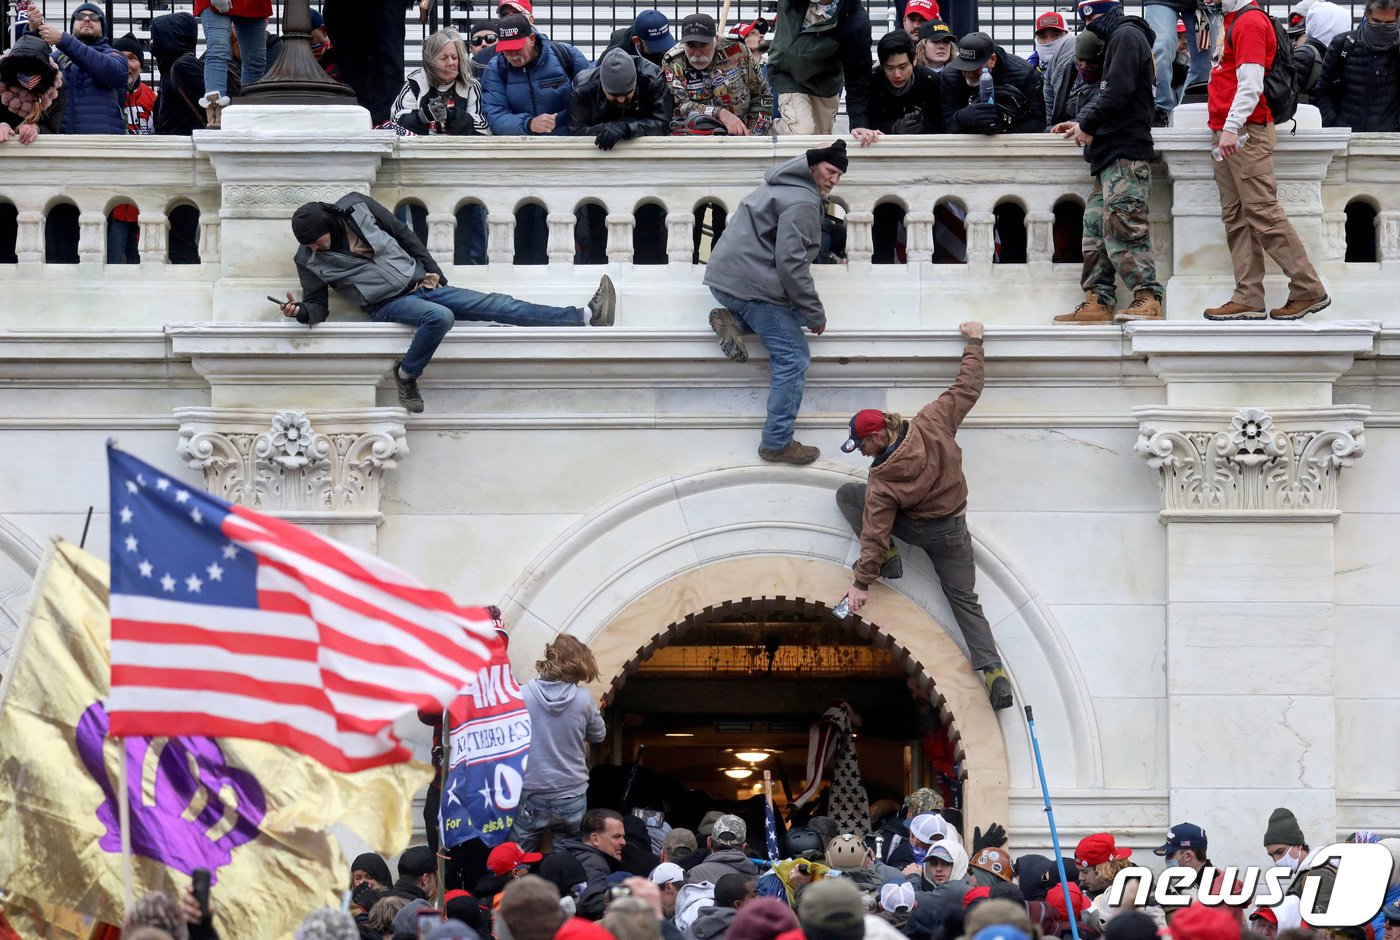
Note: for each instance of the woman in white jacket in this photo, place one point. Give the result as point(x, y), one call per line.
point(442, 97)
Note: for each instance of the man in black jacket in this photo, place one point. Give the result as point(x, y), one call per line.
point(1115, 129)
point(649, 37)
point(358, 247)
point(181, 75)
point(1360, 84)
point(1018, 105)
point(904, 98)
point(624, 97)
point(598, 850)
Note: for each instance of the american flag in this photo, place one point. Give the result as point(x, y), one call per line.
point(770, 824)
point(230, 623)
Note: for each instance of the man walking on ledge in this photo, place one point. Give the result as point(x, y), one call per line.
point(360, 249)
point(761, 272)
point(917, 492)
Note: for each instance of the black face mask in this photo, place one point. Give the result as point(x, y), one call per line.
point(1104, 25)
point(1379, 37)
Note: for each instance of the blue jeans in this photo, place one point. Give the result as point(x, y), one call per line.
point(122, 242)
point(780, 328)
point(252, 47)
point(537, 814)
point(433, 313)
point(1162, 19)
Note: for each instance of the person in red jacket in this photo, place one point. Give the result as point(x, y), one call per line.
point(140, 102)
point(248, 18)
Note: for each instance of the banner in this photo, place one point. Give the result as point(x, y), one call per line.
point(254, 814)
point(490, 742)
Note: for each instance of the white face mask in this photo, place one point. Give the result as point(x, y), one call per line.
point(1289, 861)
point(1046, 50)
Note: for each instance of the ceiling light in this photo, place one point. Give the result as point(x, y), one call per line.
point(738, 773)
point(753, 757)
point(679, 734)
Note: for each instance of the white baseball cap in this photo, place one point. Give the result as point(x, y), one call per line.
point(667, 873)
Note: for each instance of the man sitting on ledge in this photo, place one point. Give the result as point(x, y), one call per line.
point(360, 249)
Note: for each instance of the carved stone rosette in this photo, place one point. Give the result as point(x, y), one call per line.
point(320, 464)
point(1251, 462)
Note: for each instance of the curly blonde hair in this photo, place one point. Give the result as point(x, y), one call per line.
point(567, 660)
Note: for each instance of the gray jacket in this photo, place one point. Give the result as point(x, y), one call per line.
point(563, 717)
point(769, 243)
point(719, 863)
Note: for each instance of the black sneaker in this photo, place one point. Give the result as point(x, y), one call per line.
point(408, 392)
point(1161, 117)
point(603, 307)
point(998, 687)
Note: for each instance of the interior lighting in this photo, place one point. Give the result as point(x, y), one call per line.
point(738, 773)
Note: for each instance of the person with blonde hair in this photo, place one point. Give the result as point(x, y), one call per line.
point(564, 719)
point(442, 97)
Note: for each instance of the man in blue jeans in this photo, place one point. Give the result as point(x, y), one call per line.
point(1161, 17)
point(358, 247)
point(760, 271)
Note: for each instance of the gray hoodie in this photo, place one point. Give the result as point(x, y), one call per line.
point(562, 717)
point(769, 243)
point(712, 924)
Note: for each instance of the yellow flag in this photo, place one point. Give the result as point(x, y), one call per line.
point(255, 815)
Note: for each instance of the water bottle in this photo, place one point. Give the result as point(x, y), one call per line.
point(1215, 151)
point(986, 88)
point(842, 610)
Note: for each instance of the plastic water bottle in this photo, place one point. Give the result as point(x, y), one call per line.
point(1215, 151)
point(986, 88)
point(842, 610)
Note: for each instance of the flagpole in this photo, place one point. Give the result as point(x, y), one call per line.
point(124, 821)
point(446, 744)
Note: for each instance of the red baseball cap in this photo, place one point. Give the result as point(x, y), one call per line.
point(1098, 849)
point(1055, 897)
point(863, 424)
point(1265, 913)
point(1051, 20)
point(508, 856)
point(507, 7)
point(1198, 922)
point(928, 9)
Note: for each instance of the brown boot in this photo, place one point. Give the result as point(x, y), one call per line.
point(1092, 310)
point(794, 453)
point(1234, 311)
point(1145, 306)
point(1297, 308)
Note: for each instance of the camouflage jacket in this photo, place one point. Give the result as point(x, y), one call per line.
point(733, 82)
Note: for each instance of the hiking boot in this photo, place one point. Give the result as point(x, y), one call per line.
point(731, 338)
point(1296, 308)
point(892, 568)
point(408, 392)
point(1092, 310)
point(1145, 306)
point(1234, 310)
point(998, 687)
point(793, 453)
point(603, 307)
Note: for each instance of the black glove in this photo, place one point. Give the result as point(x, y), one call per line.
point(911, 123)
point(993, 838)
point(610, 136)
point(983, 117)
point(433, 109)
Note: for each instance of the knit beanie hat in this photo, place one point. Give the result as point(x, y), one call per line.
point(762, 919)
point(310, 222)
point(372, 863)
point(1088, 47)
point(129, 43)
point(1283, 829)
point(835, 155)
point(617, 72)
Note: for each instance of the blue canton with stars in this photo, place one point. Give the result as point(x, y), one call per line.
point(167, 540)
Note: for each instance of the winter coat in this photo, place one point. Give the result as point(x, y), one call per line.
point(563, 716)
point(816, 59)
point(1359, 89)
point(922, 104)
point(51, 118)
point(1307, 66)
point(181, 76)
point(648, 114)
point(1065, 91)
point(252, 9)
point(461, 102)
point(512, 97)
point(95, 79)
point(1119, 115)
point(1019, 106)
point(712, 924)
point(770, 241)
point(720, 863)
point(597, 866)
point(733, 81)
point(923, 477)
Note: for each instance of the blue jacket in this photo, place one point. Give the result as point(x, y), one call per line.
point(95, 78)
point(510, 97)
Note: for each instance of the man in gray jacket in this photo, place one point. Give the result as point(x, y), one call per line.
point(760, 271)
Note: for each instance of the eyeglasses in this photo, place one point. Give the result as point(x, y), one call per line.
point(86, 17)
point(489, 40)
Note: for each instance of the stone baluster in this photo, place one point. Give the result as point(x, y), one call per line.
point(620, 228)
point(1388, 235)
point(680, 237)
point(981, 237)
point(29, 237)
point(1040, 240)
point(209, 232)
point(92, 237)
point(500, 238)
point(442, 234)
point(155, 237)
point(561, 237)
point(860, 244)
point(1334, 236)
point(1160, 231)
point(918, 233)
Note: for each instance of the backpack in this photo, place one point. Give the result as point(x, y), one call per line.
point(566, 61)
point(1280, 79)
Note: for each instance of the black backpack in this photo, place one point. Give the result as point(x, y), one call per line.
point(1280, 79)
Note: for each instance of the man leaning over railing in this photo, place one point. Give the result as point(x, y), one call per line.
point(623, 98)
point(719, 77)
point(526, 85)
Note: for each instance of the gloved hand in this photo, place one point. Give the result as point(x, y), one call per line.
point(911, 123)
point(436, 110)
point(982, 117)
point(993, 838)
point(610, 136)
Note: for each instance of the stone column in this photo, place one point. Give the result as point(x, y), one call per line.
point(1250, 449)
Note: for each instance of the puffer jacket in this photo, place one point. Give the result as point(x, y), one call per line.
point(181, 76)
point(94, 77)
point(597, 866)
point(1359, 89)
point(1019, 99)
point(815, 60)
point(648, 114)
point(512, 97)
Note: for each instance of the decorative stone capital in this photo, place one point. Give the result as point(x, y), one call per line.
point(1250, 465)
point(323, 467)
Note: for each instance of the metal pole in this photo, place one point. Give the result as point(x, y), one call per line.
point(1054, 835)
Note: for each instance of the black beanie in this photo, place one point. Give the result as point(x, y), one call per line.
point(129, 43)
point(835, 155)
point(311, 221)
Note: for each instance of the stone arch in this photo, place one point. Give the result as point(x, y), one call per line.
point(679, 544)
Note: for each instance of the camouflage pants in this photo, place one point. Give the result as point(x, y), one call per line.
point(1116, 236)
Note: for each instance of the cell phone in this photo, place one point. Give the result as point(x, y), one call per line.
point(200, 878)
point(426, 919)
point(652, 817)
point(280, 303)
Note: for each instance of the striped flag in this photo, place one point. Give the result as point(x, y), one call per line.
point(770, 824)
point(230, 623)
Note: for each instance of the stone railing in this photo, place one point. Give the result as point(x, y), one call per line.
point(1023, 190)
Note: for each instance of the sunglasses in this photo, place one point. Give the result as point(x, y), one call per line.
point(86, 17)
point(489, 40)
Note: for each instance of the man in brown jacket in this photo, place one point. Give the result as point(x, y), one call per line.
point(917, 492)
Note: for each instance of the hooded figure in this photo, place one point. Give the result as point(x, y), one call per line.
point(31, 90)
point(181, 76)
point(95, 74)
point(1359, 86)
